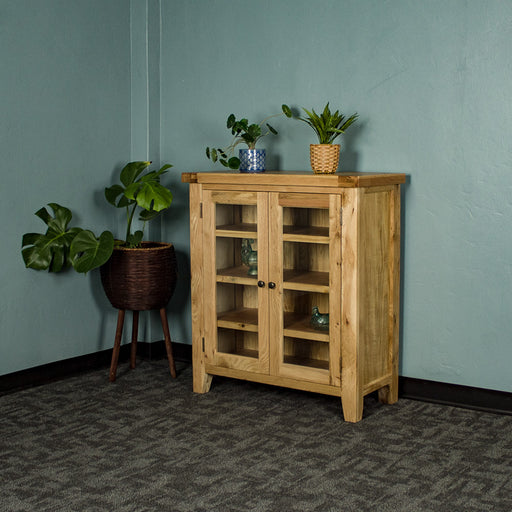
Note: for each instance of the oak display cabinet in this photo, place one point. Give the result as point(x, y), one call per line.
point(330, 241)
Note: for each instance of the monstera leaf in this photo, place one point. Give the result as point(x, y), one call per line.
point(129, 174)
point(132, 171)
point(51, 250)
point(112, 193)
point(148, 193)
point(88, 252)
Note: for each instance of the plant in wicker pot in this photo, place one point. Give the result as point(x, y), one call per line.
point(325, 155)
point(135, 275)
point(251, 159)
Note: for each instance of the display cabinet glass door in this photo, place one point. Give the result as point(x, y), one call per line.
point(236, 276)
point(305, 262)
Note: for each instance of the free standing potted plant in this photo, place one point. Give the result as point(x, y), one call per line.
point(325, 155)
point(135, 275)
point(250, 159)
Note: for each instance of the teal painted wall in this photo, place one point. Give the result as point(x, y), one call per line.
point(431, 82)
point(149, 78)
point(64, 129)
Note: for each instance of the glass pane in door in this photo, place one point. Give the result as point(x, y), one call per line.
point(236, 301)
point(304, 350)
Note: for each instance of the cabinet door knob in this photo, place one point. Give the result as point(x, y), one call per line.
point(261, 284)
point(271, 285)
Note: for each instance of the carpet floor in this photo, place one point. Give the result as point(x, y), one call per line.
point(148, 443)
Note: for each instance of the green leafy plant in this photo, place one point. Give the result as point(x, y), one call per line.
point(61, 247)
point(243, 133)
point(327, 126)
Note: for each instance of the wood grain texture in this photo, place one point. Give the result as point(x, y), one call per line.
point(201, 381)
point(331, 241)
point(351, 375)
point(299, 178)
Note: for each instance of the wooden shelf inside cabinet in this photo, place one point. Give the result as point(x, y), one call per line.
point(298, 326)
point(307, 234)
point(306, 362)
point(246, 352)
point(245, 319)
point(237, 231)
point(306, 281)
point(236, 275)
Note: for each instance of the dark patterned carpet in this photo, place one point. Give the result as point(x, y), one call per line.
point(147, 443)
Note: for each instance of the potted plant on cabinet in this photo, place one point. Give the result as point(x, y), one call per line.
point(325, 155)
point(135, 275)
point(251, 159)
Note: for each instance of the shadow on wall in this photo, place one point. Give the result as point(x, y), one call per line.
point(403, 195)
point(178, 306)
point(105, 334)
point(349, 157)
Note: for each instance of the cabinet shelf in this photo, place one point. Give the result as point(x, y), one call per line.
point(246, 352)
point(292, 279)
point(245, 230)
point(236, 275)
point(306, 281)
point(306, 234)
point(307, 362)
point(244, 319)
point(297, 326)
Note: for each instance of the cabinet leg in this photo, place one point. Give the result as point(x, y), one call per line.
point(389, 394)
point(117, 345)
point(353, 408)
point(135, 332)
point(168, 343)
point(202, 381)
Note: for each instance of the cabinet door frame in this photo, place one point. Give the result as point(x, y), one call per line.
point(278, 367)
point(213, 356)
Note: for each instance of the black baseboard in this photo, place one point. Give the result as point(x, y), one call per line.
point(58, 370)
point(499, 402)
point(488, 400)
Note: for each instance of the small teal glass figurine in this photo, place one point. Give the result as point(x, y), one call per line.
point(319, 321)
point(249, 257)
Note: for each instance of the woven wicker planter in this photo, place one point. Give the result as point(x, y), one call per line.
point(324, 158)
point(140, 279)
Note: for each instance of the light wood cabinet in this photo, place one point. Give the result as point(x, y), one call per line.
point(326, 241)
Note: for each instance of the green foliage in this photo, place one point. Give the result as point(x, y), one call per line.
point(327, 125)
point(243, 133)
point(139, 190)
point(61, 247)
point(88, 252)
point(50, 250)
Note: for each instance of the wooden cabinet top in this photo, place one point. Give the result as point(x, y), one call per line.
point(295, 178)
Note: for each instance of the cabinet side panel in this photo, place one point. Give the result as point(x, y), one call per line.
point(351, 357)
point(374, 279)
point(389, 394)
point(201, 381)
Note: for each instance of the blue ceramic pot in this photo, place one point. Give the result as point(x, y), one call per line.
point(252, 160)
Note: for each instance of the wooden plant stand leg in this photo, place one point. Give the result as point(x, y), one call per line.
point(117, 345)
point(168, 343)
point(135, 332)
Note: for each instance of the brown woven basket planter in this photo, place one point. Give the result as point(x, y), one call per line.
point(140, 279)
point(324, 158)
